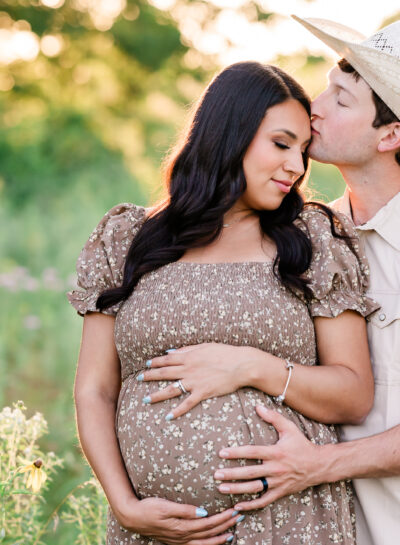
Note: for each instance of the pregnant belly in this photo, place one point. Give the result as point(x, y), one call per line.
point(176, 460)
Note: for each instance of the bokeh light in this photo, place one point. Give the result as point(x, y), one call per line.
point(16, 44)
point(51, 45)
point(52, 3)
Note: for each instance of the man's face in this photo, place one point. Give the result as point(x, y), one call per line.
point(342, 119)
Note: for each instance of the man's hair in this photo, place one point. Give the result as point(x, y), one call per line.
point(384, 114)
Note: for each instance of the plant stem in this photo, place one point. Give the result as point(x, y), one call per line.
point(43, 528)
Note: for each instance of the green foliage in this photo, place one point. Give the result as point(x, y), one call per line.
point(151, 39)
point(20, 510)
point(325, 183)
point(22, 520)
point(88, 512)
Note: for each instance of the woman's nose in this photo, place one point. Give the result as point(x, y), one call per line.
point(295, 165)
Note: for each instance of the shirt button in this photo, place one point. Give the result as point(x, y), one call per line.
point(382, 317)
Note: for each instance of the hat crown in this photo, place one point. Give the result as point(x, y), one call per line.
point(386, 40)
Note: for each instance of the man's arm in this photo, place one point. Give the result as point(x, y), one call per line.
point(375, 456)
point(295, 463)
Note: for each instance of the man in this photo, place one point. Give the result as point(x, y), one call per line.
point(356, 127)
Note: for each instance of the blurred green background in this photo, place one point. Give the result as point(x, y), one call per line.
point(92, 95)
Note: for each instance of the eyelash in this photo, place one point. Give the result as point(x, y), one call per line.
point(281, 146)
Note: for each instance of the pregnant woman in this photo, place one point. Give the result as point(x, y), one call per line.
point(271, 289)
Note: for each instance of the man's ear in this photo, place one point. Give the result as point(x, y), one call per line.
point(390, 139)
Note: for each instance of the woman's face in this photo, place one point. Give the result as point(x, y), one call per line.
point(273, 160)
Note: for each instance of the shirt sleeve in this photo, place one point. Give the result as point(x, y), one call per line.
point(339, 272)
point(100, 264)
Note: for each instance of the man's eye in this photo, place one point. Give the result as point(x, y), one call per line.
point(340, 104)
point(281, 146)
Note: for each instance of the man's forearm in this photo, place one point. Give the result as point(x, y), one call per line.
point(375, 456)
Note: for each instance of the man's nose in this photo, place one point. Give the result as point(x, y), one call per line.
point(317, 106)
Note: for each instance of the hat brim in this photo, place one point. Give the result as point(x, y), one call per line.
point(329, 30)
point(379, 69)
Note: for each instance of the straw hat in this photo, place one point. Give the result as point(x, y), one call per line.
point(376, 59)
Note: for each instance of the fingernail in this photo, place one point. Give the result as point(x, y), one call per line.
point(170, 416)
point(171, 350)
point(201, 512)
point(242, 517)
point(223, 454)
point(224, 488)
point(219, 475)
point(140, 377)
point(235, 513)
point(148, 363)
point(229, 539)
point(147, 399)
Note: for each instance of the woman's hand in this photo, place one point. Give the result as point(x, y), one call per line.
point(205, 370)
point(286, 471)
point(176, 524)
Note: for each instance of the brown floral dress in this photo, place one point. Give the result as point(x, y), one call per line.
point(240, 303)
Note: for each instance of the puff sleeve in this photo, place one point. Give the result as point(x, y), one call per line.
point(339, 272)
point(100, 264)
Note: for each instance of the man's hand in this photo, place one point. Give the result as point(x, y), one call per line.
point(289, 466)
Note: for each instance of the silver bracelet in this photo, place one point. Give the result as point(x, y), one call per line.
point(281, 398)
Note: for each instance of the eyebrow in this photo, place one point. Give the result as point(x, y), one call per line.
point(343, 89)
point(291, 135)
point(338, 86)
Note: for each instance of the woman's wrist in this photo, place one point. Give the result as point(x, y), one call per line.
point(253, 363)
point(125, 510)
point(265, 372)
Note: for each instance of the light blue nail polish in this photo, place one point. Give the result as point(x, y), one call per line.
point(235, 513)
point(148, 363)
point(140, 377)
point(147, 399)
point(229, 539)
point(242, 517)
point(170, 350)
point(170, 416)
point(201, 512)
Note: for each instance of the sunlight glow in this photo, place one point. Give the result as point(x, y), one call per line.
point(102, 12)
point(52, 3)
point(233, 37)
point(51, 45)
point(16, 44)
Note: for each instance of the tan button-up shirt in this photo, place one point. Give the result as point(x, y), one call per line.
point(378, 506)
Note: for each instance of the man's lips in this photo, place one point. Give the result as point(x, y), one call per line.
point(284, 185)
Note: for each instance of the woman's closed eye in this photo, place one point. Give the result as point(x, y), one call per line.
point(281, 146)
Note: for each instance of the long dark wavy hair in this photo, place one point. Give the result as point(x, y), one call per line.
point(204, 177)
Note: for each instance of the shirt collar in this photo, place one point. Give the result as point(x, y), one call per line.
point(386, 221)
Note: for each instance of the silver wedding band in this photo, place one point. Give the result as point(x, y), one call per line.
point(265, 485)
point(179, 385)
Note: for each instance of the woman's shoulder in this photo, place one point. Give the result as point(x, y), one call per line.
point(333, 237)
point(123, 218)
point(101, 262)
point(319, 221)
point(338, 274)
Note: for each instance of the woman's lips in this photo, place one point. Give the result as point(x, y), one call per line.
point(314, 131)
point(284, 185)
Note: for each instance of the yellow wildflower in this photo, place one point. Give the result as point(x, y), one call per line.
point(36, 476)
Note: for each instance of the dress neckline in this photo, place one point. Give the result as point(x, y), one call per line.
point(269, 263)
